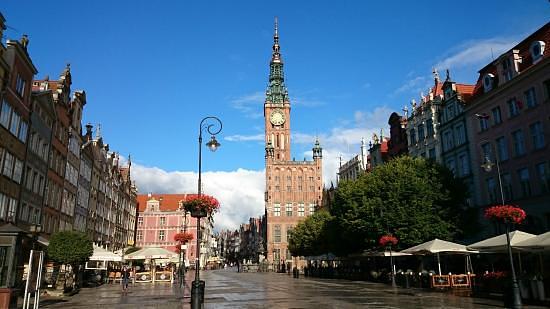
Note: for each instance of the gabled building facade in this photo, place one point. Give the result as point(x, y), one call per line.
point(508, 121)
point(455, 146)
point(161, 217)
point(422, 127)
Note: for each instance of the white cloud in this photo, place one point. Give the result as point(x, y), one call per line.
point(345, 141)
point(475, 53)
point(240, 192)
point(251, 104)
point(417, 83)
point(245, 138)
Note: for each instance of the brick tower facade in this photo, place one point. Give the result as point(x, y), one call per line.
point(293, 188)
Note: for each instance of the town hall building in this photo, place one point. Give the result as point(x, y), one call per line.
point(293, 188)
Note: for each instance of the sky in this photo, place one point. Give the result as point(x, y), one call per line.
point(153, 69)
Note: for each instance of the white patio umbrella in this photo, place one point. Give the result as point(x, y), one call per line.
point(101, 254)
point(538, 243)
point(151, 253)
point(499, 243)
point(385, 253)
point(438, 246)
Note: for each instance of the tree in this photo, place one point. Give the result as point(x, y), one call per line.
point(413, 198)
point(309, 237)
point(70, 248)
point(131, 250)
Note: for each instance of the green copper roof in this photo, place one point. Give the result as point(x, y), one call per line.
point(276, 90)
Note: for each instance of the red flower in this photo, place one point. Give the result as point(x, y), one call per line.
point(506, 213)
point(203, 202)
point(387, 240)
point(183, 238)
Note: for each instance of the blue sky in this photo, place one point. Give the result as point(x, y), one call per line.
point(153, 69)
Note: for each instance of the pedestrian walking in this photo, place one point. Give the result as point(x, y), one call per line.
point(125, 278)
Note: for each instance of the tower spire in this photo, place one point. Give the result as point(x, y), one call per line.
point(276, 91)
point(276, 57)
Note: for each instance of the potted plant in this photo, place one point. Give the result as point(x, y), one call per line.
point(183, 238)
point(509, 214)
point(387, 241)
point(201, 206)
point(506, 214)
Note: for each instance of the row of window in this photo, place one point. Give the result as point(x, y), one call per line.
point(11, 120)
point(518, 143)
point(298, 188)
point(71, 174)
point(68, 203)
point(39, 146)
point(423, 134)
point(29, 213)
point(298, 178)
point(11, 166)
point(452, 138)
point(288, 208)
point(161, 235)
point(461, 166)
point(161, 222)
point(514, 107)
point(542, 181)
point(85, 170)
point(57, 162)
point(53, 195)
point(35, 181)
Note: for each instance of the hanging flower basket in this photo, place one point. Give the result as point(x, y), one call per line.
point(183, 238)
point(388, 240)
point(201, 206)
point(506, 214)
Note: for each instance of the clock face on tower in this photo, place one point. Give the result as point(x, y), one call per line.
point(277, 117)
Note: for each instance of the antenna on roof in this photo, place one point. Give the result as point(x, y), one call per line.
point(492, 56)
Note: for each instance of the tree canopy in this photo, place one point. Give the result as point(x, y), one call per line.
point(412, 198)
point(309, 237)
point(70, 247)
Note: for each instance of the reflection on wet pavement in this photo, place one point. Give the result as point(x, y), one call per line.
point(228, 289)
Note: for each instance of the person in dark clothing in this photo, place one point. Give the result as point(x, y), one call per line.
point(125, 278)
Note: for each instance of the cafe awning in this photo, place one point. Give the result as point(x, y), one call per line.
point(101, 254)
point(151, 253)
point(537, 244)
point(437, 246)
point(498, 243)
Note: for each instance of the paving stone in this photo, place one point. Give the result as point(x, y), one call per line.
point(227, 289)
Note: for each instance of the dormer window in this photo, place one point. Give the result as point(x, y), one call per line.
point(448, 92)
point(537, 50)
point(488, 81)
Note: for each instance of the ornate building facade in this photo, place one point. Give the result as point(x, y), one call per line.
point(293, 188)
point(161, 217)
point(422, 126)
point(355, 166)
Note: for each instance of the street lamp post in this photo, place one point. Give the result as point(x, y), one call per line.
point(516, 295)
point(212, 125)
point(183, 249)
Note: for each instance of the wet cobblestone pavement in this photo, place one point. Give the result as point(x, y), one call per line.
point(228, 289)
